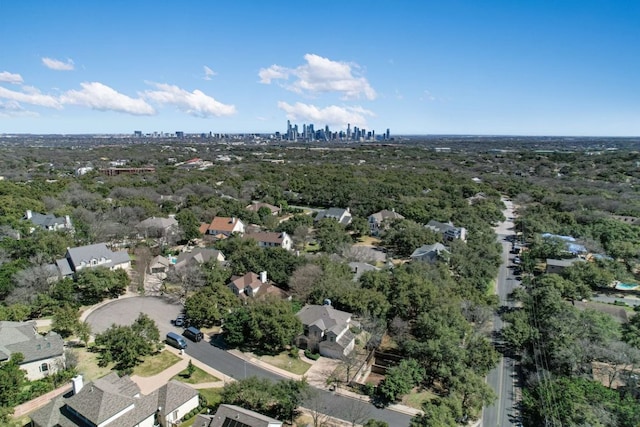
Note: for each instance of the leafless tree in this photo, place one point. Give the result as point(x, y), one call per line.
point(317, 405)
point(303, 279)
point(30, 282)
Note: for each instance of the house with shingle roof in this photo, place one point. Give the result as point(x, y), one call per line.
point(378, 220)
point(430, 253)
point(48, 222)
point(91, 256)
point(326, 331)
point(158, 227)
point(114, 401)
point(268, 239)
point(42, 354)
point(255, 207)
point(253, 285)
point(198, 256)
point(448, 231)
point(235, 416)
point(343, 216)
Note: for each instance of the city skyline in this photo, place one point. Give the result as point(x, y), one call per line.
point(496, 68)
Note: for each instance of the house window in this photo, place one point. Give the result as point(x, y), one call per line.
point(44, 367)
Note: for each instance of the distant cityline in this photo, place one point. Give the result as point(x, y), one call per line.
point(308, 134)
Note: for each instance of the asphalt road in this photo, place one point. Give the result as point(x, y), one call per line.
point(337, 406)
point(503, 378)
point(125, 311)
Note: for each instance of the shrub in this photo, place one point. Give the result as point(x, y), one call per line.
point(293, 352)
point(310, 355)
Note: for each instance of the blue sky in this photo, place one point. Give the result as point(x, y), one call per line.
point(417, 67)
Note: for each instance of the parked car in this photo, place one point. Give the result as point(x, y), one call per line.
point(193, 334)
point(181, 320)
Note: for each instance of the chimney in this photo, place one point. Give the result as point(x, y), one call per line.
point(263, 277)
point(67, 220)
point(77, 384)
point(29, 214)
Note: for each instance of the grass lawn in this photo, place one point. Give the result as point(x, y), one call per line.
point(414, 400)
point(156, 363)
point(199, 376)
point(312, 247)
point(284, 361)
point(367, 241)
point(88, 364)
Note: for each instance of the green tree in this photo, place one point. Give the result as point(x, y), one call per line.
point(96, 284)
point(65, 320)
point(375, 423)
point(359, 227)
point(268, 325)
point(190, 369)
point(189, 224)
point(331, 235)
point(12, 379)
point(210, 304)
point(83, 331)
point(405, 236)
point(400, 379)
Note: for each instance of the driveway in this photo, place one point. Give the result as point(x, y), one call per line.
point(125, 311)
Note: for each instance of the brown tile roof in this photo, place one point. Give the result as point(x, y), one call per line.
point(223, 223)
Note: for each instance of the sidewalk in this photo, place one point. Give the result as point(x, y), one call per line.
point(148, 384)
point(317, 377)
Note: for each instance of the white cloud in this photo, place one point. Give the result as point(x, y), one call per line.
point(208, 73)
point(101, 97)
point(427, 96)
point(30, 95)
point(7, 77)
point(58, 65)
point(321, 75)
point(14, 109)
point(195, 103)
point(332, 115)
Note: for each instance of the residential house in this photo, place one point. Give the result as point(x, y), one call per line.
point(222, 227)
point(159, 264)
point(326, 331)
point(235, 416)
point(357, 268)
point(430, 253)
point(378, 220)
point(91, 256)
point(557, 266)
point(268, 239)
point(42, 354)
point(113, 401)
point(253, 285)
point(343, 216)
point(255, 207)
point(448, 231)
point(48, 222)
point(158, 227)
point(198, 256)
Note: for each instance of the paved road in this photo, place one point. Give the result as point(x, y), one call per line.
point(503, 378)
point(125, 311)
point(337, 406)
point(632, 301)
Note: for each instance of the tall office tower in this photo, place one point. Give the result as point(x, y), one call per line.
point(387, 138)
point(372, 135)
point(312, 132)
point(348, 131)
point(289, 130)
point(295, 133)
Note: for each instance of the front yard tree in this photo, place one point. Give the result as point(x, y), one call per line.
point(269, 325)
point(210, 304)
point(65, 321)
point(189, 224)
point(331, 235)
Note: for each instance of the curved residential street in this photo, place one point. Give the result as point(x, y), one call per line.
point(337, 405)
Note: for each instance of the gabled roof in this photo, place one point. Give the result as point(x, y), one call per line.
point(108, 396)
point(199, 255)
point(104, 398)
point(385, 215)
point(324, 317)
point(223, 223)
point(235, 416)
point(255, 207)
point(22, 337)
point(249, 280)
point(437, 248)
point(45, 220)
point(97, 251)
point(440, 227)
point(160, 223)
point(267, 236)
point(339, 214)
